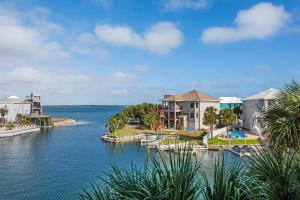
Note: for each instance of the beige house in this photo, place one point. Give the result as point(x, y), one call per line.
point(252, 108)
point(186, 111)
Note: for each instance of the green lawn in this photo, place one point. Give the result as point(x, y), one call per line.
point(217, 141)
point(126, 131)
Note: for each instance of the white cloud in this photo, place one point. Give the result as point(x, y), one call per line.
point(122, 77)
point(140, 68)
point(181, 4)
point(261, 21)
point(21, 75)
point(88, 44)
point(263, 68)
point(21, 40)
point(160, 38)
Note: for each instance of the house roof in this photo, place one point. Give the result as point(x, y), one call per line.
point(228, 100)
point(193, 95)
point(13, 99)
point(266, 95)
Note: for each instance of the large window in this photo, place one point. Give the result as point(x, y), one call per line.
point(192, 105)
point(192, 115)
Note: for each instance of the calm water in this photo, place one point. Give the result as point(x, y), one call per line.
point(56, 163)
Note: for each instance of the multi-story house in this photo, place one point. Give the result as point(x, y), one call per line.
point(253, 107)
point(186, 111)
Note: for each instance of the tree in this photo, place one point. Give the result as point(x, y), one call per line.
point(112, 125)
point(210, 118)
point(282, 119)
point(227, 118)
point(3, 112)
point(25, 122)
point(10, 126)
point(122, 119)
point(150, 119)
point(237, 111)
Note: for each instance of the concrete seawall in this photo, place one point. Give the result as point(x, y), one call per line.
point(18, 131)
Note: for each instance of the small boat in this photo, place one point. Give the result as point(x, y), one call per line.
point(237, 150)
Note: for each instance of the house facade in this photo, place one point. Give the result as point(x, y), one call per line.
point(16, 108)
point(253, 107)
point(186, 111)
point(230, 102)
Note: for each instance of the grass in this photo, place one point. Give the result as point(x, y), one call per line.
point(217, 141)
point(126, 131)
point(131, 130)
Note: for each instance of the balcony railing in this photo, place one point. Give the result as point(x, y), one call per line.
point(171, 107)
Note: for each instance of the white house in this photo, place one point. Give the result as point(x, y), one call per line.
point(252, 108)
point(16, 107)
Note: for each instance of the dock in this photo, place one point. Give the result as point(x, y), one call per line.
point(113, 139)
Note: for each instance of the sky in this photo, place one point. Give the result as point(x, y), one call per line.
point(84, 52)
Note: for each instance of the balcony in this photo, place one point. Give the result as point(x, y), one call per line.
point(172, 108)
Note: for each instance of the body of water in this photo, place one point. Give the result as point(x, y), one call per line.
point(58, 162)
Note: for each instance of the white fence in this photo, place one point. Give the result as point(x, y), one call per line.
point(216, 132)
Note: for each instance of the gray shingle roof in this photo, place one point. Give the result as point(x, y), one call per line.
point(269, 94)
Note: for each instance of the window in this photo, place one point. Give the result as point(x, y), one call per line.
point(192, 115)
point(197, 105)
point(197, 115)
point(192, 105)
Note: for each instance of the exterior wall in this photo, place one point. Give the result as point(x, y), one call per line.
point(203, 107)
point(250, 107)
point(195, 123)
point(15, 109)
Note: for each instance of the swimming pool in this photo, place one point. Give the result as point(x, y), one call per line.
point(237, 135)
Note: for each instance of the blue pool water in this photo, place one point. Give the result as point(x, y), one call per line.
point(58, 162)
point(237, 135)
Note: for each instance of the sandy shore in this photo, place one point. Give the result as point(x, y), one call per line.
point(63, 122)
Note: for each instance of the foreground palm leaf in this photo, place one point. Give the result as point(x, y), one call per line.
point(230, 182)
point(177, 179)
point(282, 119)
point(279, 176)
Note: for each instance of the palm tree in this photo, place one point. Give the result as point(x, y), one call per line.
point(176, 178)
point(150, 119)
point(210, 119)
point(3, 112)
point(226, 118)
point(230, 182)
point(112, 125)
point(237, 111)
point(282, 119)
point(279, 175)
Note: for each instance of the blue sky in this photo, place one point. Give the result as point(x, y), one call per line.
point(131, 51)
